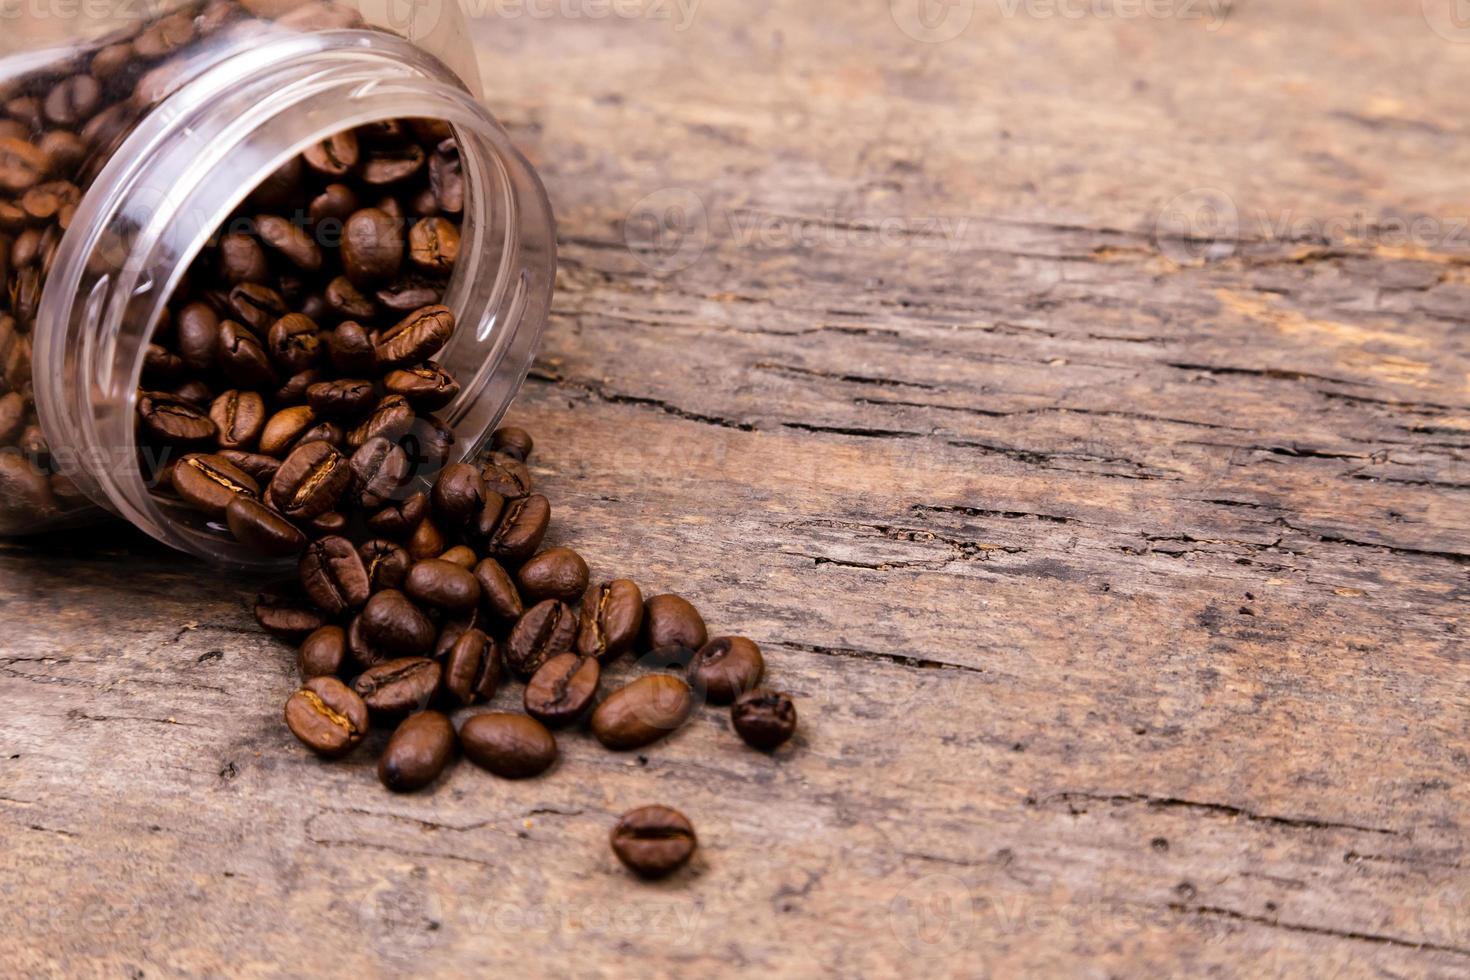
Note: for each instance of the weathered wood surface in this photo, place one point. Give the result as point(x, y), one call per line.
point(1123, 594)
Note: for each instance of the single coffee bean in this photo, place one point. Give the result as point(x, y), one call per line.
point(323, 653)
point(611, 619)
point(428, 387)
point(672, 627)
point(519, 531)
point(341, 399)
point(399, 519)
point(284, 429)
point(461, 555)
point(285, 615)
point(333, 205)
point(453, 627)
point(334, 156)
point(379, 472)
point(498, 594)
point(509, 746)
point(333, 576)
point(543, 631)
point(429, 444)
point(390, 622)
point(417, 752)
point(293, 393)
point(642, 712)
point(562, 690)
point(256, 306)
point(241, 259)
point(372, 247)
point(310, 481)
point(242, 359)
point(654, 841)
point(331, 524)
point(458, 494)
point(73, 100)
point(764, 719)
point(443, 585)
point(398, 687)
point(426, 541)
point(446, 177)
point(262, 468)
point(350, 350)
point(161, 366)
point(433, 245)
point(197, 328)
point(390, 164)
point(506, 475)
point(294, 343)
point(363, 651)
point(327, 717)
point(391, 419)
point(240, 418)
point(195, 392)
point(556, 573)
point(387, 564)
point(472, 668)
point(726, 667)
point(209, 483)
point(513, 442)
point(408, 295)
point(346, 300)
point(417, 337)
point(173, 420)
point(291, 241)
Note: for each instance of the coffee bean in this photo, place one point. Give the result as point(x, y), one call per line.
point(428, 387)
point(161, 366)
point(261, 529)
point(256, 306)
point(323, 653)
point(334, 156)
point(398, 687)
point(363, 651)
point(372, 247)
point(455, 625)
point(764, 719)
point(726, 667)
point(562, 689)
point(543, 631)
point(241, 259)
point(391, 419)
point(556, 573)
point(458, 494)
point(433, 245)
point(197, 328)
point(642, 712)
point(611, 619)
point(333, 576)
point(390, 622)
point(295, 344)
point(262, 468)
point(351, 353)
point(291, 241)
point(331, 524)
point(13, 412)
point(389, 165)
point(310, 481)
point(672, 627)
point(73, 100)
point(345, 300)
point(387, 564)
point(173, 420)
point(417, 337)
point(399, 519)
point(380, 471)
point(417, 752)
point(240, 418)
point(210, 483)
point(408, 295)
point(472, 668)
point(446, 177)
point(285, 428)
point(341, 399)
point(334, 205)
point(242, 359)
point(285, 615)
point(506, 475)
point(654, 841)
point(443, 585)
point(498, 593)
point(509, 746)
point(327, 717)
point(513, 442)
point(293, 392)
point(518, 532)
point(426, 541)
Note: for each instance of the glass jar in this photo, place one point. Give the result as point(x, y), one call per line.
point(126, 144)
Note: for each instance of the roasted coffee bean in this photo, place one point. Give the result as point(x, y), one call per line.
point(240, 418)
point(165, 36)
point(310, 481)
point(556, 573)
point(173, 420)
point(334, 156)
point(417, 752)
point(363, 651)
point(293, 392)
point(380, 470)
point(428, 387)
point(350, 350)
point(285, 428)
point(13, 412)
point(543, 631)
point(390, 622)
point(453, 627)
point(327, 717)
point(417, 337)
point(341, 399)
point(24, 486)
point(323, 653)
point(408, 295)
point(73, 100)
point(654, 841)
point(344, 299)
point(398, 687)
point(197, 328)
point(562, 689)
point(210, 483)
point(446, 177)
point(285, 615)
point(509, 746)
point(498, 593)
point(612, 617)
point(443, 585)
point(333, 205)
point(391, 419)
point(433, 245)
point(257, 306)
point(291, 241)
point(328, 432)
point(242, 358)
point(429, 444)
point(332, 523)
point(642, 712)
point(333, 576)
point(389, 165)
point(295, 344)
point(472, 668)
point(513, 442)
point(161, 366)
point(507, 476)
point(458, 494)
point(399, 519)
point(262, 529)
point(672, 627)
point(241, 259)
point(519, 531)
point(387, 564)
point(726, 667)
point(461, 555)
point(372, 247)
point(764, 719)
point(262, 468)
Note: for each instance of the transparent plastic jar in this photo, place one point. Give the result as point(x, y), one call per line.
point(222, 94)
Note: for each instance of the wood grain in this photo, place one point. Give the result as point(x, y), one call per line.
point(1119, 566)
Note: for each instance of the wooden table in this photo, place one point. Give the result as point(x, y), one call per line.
point(1076, 411)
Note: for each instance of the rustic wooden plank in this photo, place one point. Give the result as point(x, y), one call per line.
point(1123, 594)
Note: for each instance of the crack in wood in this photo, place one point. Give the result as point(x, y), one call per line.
point(1216, 911)
point(1214, 809)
